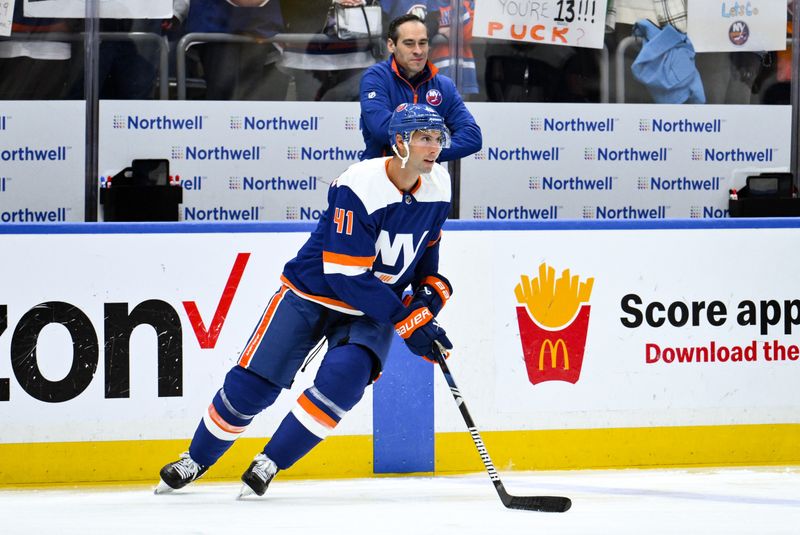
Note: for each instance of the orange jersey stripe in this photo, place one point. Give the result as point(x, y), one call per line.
point(315, 412)
point(347, 260)
point(437, 240)
point(254, 342)
point(316, 298)
point(417, 185)
point(225, 426)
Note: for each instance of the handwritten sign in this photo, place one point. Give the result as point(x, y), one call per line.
point(110, 9)
point(6, 16)
point(737, 25)
point(579, 23)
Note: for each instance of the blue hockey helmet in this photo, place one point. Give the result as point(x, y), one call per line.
point(408, 118)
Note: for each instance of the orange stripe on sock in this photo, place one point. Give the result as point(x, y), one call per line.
point(315, 412)
point(222, 424)
point(255, 340)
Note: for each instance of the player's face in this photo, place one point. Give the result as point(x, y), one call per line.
point(424, 147)
point(411, 49)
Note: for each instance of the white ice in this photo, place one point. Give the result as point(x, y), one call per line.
point(727, 501)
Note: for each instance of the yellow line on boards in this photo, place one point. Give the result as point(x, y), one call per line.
point(576, 449)
point(92, 463)
point(140, 460)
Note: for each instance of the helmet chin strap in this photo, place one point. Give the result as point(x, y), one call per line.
point(403, 159)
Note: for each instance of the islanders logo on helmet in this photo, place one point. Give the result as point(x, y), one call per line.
point(433, 97)
point(408, 118)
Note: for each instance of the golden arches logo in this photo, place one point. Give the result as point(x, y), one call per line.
point(548, 345)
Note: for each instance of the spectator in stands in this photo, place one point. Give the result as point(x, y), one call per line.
point(239, 71)
point(520, 71)
point(34, 69)
point(396, 8)
point(440, 20)
point(128, 69)
point(327, 71)
point(775, 88)
point(408, 76)
point(728, 78)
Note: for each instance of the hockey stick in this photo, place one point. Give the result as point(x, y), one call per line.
point(547, 504)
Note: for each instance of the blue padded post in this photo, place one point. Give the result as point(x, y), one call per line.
point(403, 414)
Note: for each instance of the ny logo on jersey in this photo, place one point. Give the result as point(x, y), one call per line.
point(389, 252)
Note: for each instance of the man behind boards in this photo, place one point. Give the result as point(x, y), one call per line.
point(408, 76)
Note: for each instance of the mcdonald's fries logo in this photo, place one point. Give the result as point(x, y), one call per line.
point(552, 349)
point(553, 324)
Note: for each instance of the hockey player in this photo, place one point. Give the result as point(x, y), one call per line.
point(345, 284)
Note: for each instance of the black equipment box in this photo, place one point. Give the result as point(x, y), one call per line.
point(766, 195)
point(142, 192)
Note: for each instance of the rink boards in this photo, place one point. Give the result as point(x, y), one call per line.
point(665, 344)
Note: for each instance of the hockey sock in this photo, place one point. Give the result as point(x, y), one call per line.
point(243, 395)
point(338, 386)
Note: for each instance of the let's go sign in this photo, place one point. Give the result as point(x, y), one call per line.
point(579, 23)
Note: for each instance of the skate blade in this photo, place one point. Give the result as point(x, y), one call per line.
point(162, 488)
point(244, 492)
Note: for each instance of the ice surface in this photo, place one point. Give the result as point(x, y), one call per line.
point(704, 501)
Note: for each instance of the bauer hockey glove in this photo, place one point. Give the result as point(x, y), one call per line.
point(433, 292)
point(420, 330)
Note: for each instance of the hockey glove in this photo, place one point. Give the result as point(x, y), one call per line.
point(433, 292)
point(420, 330)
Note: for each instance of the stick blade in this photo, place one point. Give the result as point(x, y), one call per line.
point(544, 504)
